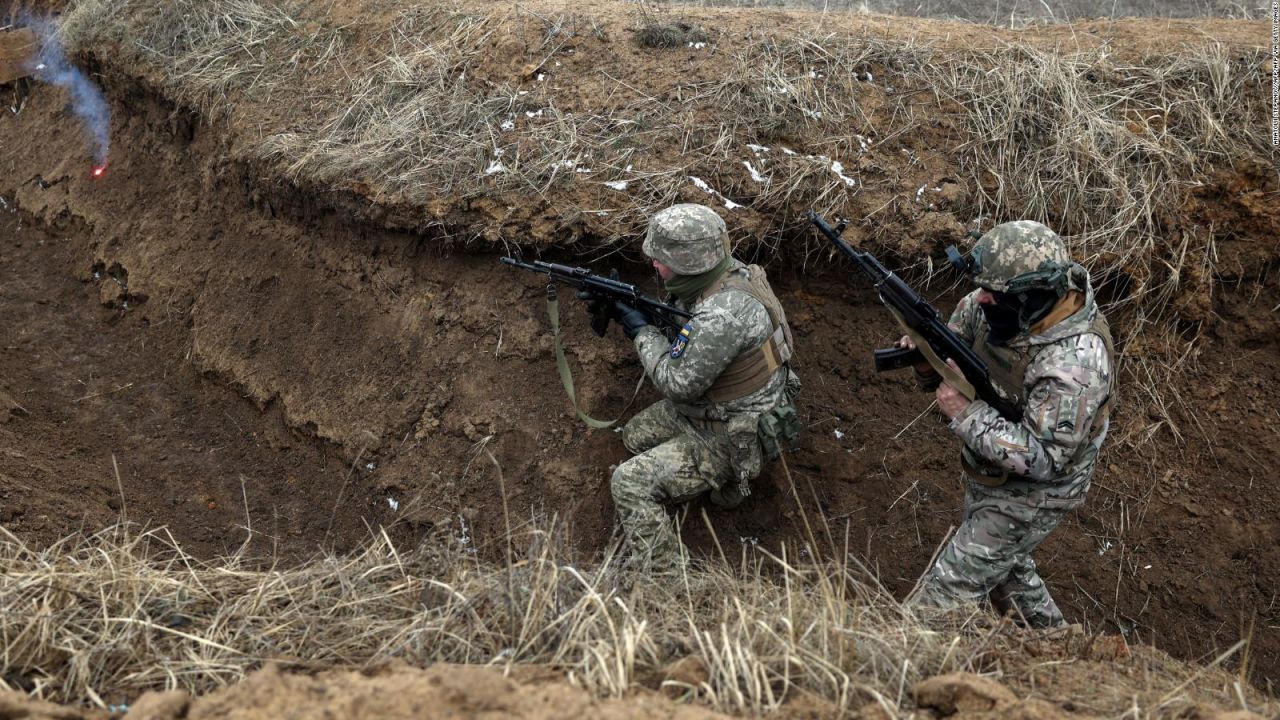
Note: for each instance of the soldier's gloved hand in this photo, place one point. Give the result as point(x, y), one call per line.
point(594, 301)
point(631, 319)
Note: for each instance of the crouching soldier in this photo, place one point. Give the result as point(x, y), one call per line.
point(725, 379)
point(1035, 322)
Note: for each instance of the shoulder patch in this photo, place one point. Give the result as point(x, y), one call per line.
point(682, 341)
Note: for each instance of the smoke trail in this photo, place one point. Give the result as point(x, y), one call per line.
point(52, 66)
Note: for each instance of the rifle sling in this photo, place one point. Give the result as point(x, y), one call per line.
point(566, 377)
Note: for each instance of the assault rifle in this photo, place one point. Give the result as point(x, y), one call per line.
point(935, 340)
point(608, 290)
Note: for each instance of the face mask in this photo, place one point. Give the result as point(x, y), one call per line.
point(1011, 314)
point(1002, 318)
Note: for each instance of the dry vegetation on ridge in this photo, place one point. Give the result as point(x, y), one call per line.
point(1099, 143)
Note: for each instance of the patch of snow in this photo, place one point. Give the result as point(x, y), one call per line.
point(617, 185)
point(702, 185)
point(755, 174)
point(838, 168)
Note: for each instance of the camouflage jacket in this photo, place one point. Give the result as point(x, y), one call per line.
point(723, 326)
point(1068, 378)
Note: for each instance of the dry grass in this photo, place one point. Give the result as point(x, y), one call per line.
point(1018, 13)
point(120, 613)
point(669, 34)
point(213, 54)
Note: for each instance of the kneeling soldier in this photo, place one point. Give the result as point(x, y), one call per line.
point(726, 381)
point(1034, 320)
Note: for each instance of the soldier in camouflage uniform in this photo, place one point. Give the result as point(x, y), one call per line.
point(725, 379)
point(1036, 324)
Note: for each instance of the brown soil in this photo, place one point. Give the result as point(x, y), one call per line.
point(396, 693)
point(191, 342)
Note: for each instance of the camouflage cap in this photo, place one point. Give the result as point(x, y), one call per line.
point(688, 238)
point(1020, 255)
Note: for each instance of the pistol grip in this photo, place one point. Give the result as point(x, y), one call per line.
point(600, 320)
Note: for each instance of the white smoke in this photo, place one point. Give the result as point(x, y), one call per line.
point(51, 66)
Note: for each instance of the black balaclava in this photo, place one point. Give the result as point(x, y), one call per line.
point(1012, 314)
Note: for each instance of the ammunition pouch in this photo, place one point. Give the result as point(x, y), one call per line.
point(778, 428)
point(745, 451)
point(754, 439)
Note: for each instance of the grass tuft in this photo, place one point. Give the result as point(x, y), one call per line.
point(669, 34)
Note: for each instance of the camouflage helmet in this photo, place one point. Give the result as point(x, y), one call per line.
point(688, 238)
point(1018, 256)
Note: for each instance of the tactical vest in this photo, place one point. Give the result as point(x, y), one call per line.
point(1007, 367)
point(753, 369)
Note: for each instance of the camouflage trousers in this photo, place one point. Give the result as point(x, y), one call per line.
point(990, 556)
point(675, 462)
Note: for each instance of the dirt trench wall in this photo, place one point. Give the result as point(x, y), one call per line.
point(385, 366)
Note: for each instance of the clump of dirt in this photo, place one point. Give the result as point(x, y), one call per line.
point(199, 343)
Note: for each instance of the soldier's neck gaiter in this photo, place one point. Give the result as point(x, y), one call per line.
point(1012, 314)
point(688, 287)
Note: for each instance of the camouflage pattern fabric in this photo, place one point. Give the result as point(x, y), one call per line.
point(990, 555)
point(1011, 249)
point(723, 326)
point(688, 238)
point(678, 458)
point(675, 461)
point(1050, 452)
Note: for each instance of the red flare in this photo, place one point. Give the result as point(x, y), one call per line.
point(100, 170)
